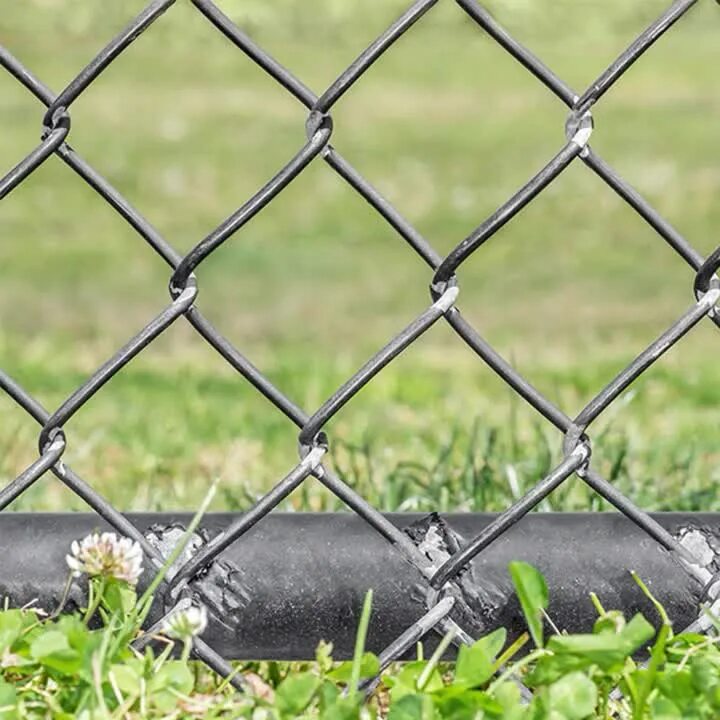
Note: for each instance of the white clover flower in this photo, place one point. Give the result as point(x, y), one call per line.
point(107, 556)
point(184, 624)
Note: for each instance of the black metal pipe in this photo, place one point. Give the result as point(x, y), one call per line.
point(298, 578)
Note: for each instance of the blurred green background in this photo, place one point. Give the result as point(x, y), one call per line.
point(447, 126)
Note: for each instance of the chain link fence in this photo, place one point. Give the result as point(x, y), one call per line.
point(443, 590)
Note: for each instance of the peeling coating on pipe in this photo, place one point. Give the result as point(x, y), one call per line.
point(220, 587)
point(478, 598)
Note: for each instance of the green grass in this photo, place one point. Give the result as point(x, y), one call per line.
point(447, 126)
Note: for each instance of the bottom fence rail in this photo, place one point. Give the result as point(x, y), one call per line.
point(298, 578)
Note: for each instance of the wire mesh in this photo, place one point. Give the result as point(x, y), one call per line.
point(441, 578)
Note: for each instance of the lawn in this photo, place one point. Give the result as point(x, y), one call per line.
point(447, 126)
